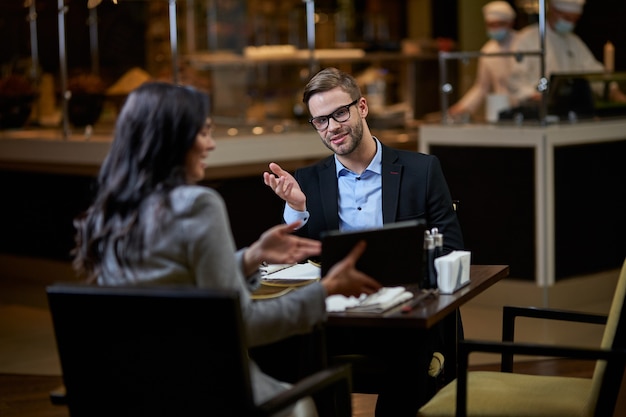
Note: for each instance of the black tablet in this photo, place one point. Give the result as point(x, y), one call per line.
point(393, 256)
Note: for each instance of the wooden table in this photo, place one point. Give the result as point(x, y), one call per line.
point(397, 336)
point(431, 310)
point(300, 355)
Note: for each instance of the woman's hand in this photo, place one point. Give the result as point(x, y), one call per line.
point(278, 245)
point(343, 278)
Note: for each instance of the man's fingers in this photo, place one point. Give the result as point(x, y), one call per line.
point(288, 188)
point(274, 183)
point(268, 179)
point(276, 169)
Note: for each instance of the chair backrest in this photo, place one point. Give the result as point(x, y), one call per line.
point(151, 351)
point(607, 376)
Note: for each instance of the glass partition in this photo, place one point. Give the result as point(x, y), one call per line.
point(75, 61)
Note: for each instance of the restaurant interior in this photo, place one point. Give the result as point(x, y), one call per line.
point(70, 65)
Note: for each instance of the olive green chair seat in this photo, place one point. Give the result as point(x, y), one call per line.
point(506, 394)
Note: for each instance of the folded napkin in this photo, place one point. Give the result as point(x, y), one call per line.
point(453, 271)
point(379, 302)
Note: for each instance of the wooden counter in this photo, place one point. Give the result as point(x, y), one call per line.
point(47, 151)
point(568, 180)
point(47, 181)
point(44, 150)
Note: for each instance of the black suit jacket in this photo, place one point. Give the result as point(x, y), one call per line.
point(413, 187)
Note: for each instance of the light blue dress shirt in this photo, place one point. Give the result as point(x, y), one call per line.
point(360, 197)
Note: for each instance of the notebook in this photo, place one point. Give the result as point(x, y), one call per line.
point(393, 255)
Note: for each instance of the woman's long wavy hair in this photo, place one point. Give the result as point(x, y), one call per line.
point(155, 129)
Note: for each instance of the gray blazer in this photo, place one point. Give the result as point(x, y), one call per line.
point(195, 246)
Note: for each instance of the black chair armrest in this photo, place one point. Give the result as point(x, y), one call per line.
point(510, 313)
point(338, 378)
point(534, 349)
point(468, 346)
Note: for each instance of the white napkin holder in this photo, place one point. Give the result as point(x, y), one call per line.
point(453, 271)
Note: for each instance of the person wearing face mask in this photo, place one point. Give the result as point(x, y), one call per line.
point(564, 52)
point(493, 72)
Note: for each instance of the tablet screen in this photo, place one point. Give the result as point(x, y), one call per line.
point(393, 256)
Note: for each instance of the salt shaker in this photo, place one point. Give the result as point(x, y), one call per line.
point(430, 274)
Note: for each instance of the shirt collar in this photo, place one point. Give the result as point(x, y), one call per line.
point(375, 165)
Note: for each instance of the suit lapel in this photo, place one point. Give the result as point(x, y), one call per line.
point(329, 194)
point(391, 176)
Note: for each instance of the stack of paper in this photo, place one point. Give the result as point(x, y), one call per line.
point(279, 279)
point(305, 271)
point(379, 302)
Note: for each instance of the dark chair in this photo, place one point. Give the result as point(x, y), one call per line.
point(507, 393)
point(166, 351)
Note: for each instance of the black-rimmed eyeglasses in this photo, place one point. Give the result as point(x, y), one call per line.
point(342, 114)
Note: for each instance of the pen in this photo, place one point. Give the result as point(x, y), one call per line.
point(418, 299)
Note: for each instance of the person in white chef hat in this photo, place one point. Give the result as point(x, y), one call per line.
point(493, 72)
point(564, 52)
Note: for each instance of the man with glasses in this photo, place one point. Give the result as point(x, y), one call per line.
point(366, 184)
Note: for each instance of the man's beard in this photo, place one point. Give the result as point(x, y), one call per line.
point(355, 134)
